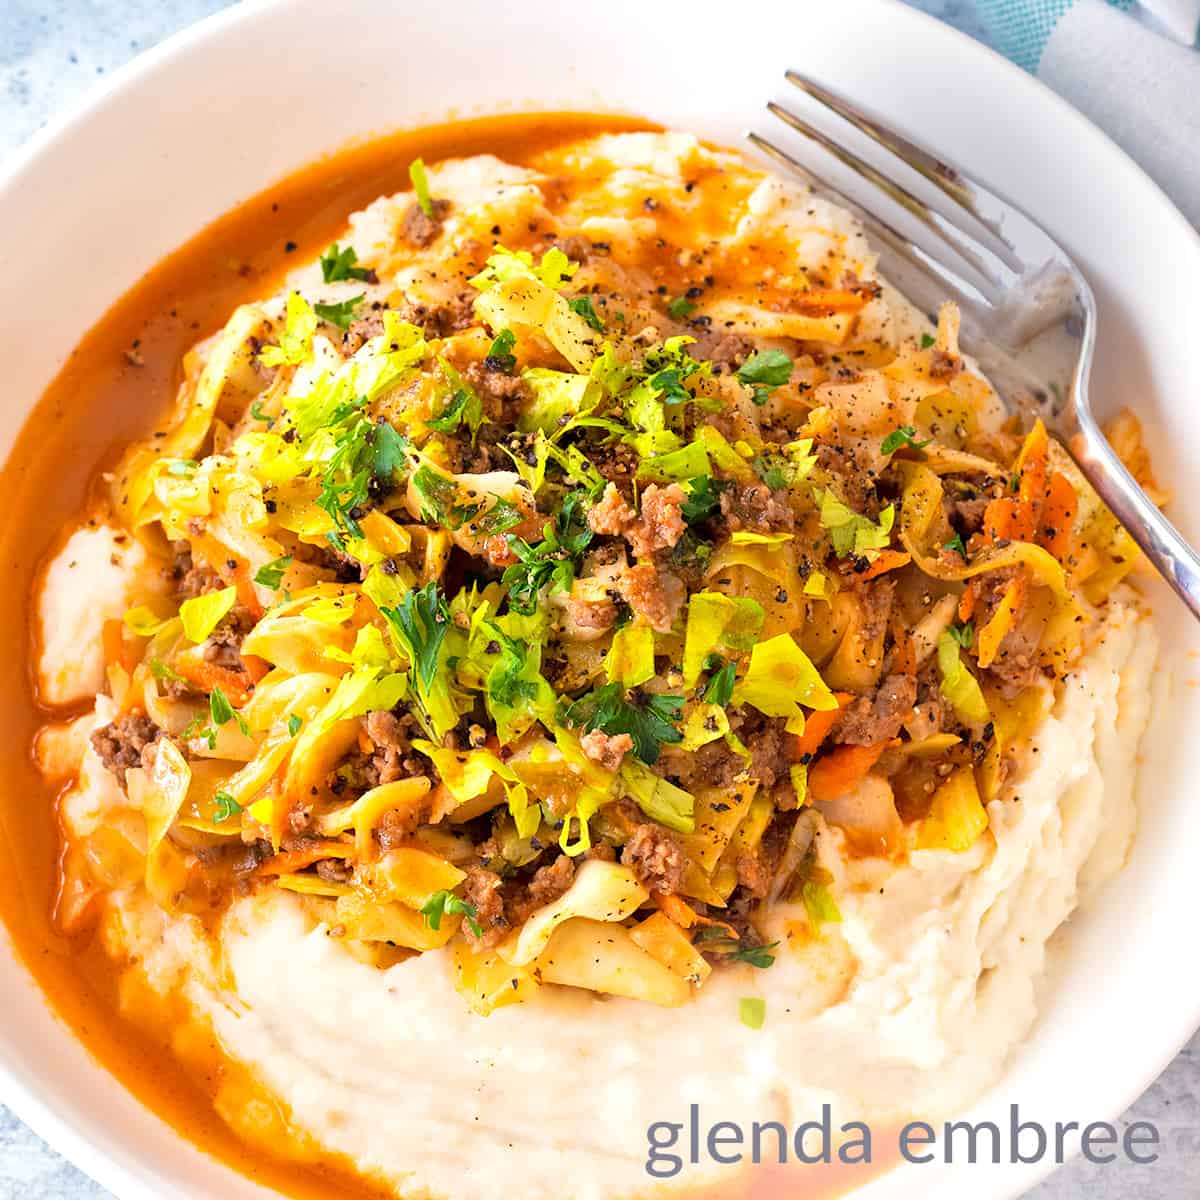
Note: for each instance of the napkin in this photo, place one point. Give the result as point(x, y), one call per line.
point(1132, 68)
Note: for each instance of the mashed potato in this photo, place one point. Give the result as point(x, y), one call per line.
point(906, 845)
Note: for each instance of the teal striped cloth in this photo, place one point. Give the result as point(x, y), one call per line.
point(1021, 28)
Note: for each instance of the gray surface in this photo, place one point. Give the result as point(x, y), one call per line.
point(51, 53)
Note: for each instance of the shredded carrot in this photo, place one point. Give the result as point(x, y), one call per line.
point(817, 301)
point(888, 560)
point(297, 860)
point(238, 686)
point(1002, 620)
point(966, 606)
point(904, 653)
point(842, 770)
point(117, 651)
point(1058, 516)
point(677, 910)
point(1003, 521)
point(817, 726)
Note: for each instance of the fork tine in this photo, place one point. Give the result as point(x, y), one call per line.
point(944, 176)
point(944, 279)
point(983, 280)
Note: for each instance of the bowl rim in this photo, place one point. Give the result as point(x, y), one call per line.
point(61, 1132)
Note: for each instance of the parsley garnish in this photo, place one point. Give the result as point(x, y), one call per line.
point(420, 182)
point(500, 357)
point(773, 469)
point(339, 314)
point(184, 466)
point(927, 341)
point(223, 712)
point(421, 619)
point(337, 264)
point(441, 500)
point(500, 518)
point(756, 956)
point(647, 720)
point(956, 543)
point(443, 903)
point(583, 306)
point(964, 635)
point(271, 575)
point(225, 807)
point(363, 451)
point(704, 498)
point(256, 411)
point(552, 560)
point(464, 406)
point(905, 435)
point(162, 672)
point(680, 308)
point(293, 725)
point(764, 371)
point(720, 682)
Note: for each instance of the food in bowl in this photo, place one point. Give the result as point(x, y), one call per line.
point(585, 646)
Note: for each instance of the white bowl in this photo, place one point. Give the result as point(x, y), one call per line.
point(224, 109)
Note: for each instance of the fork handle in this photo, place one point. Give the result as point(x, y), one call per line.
point(1160, 541)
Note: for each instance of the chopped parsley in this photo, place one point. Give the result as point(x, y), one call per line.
point(500, 518)
point(222, 712)
point(756, 956)
point(338, 264)
point(293, 725)
point(704, 499)
point(720, 682)
point(552, 560)
point(441, 500)
point(773, 469)
point(500, 356)
point(927, 341)
point(964, 635)
point(680, 308)
point(163, 673)
point(421, 619)
point(463, 407)
point(271, 575)
point(339, 314)
point(905, 435)
point(583, 306)
point(256, 411)
point(763, 372)
point(420, 182)
point(956, 543)
point(446, 903)
point(647, 718)
point(224, 807)
point(182, 466)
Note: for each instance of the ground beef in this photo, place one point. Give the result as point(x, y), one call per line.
point(769, 746)
point(655, 857)
point(967, 515)
point(591, 614)
point(441, 320)
point(547, 885)
point(931, 711)
point(754, 873)
point(121, 743)
point(419, 227)
point(662, 523)
point(659, 526)
point(335, 870)
point(757, 508)
point(1016, 666)
point(482, 889)
point(876, 596)
point(608, 750)
point(504, 390)
point(726, 351)
point(618, 463)
point(223, 647)
point(189, 577)
point(391, 758)
point(870, 720)
point(652, 593)
point(361, 331)
point(856, 480)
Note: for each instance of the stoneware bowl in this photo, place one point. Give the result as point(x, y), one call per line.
point(222, 110)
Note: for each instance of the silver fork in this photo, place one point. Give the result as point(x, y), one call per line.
point(1029, 316)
